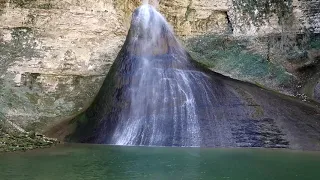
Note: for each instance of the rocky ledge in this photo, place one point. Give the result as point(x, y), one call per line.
point(15, 141)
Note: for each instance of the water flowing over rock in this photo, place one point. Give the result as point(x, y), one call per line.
point(156, 95)
point(156, 88)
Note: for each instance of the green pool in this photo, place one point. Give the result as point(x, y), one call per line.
point(90, 162)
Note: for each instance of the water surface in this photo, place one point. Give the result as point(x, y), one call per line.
point(88, 162)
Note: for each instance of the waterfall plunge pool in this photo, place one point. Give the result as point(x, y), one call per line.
point(90, 162)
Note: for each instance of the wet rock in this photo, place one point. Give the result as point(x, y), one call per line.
point(317, 92)
point(15, 141)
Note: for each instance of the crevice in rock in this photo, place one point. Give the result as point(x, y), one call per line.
point(29, 79)
point(230, 26)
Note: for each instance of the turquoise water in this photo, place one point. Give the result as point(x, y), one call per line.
point(91, 162)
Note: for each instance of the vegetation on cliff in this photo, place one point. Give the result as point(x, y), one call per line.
point(282, 62)
point(14, 140)
point(232, 56)
point(315, 43)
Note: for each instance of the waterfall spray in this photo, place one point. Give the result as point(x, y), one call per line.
point(154, 3)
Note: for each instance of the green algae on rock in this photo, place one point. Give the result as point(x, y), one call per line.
point(232, 57)
point(14, 138)
point(282, 62)
point(15, 141)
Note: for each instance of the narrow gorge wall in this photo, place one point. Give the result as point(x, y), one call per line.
point(56, 53)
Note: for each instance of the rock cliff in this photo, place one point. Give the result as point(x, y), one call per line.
point(55, 54)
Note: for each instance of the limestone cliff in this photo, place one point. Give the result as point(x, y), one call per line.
point(55, 54)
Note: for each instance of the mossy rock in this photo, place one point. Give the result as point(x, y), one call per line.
point(315, 43)
point(23, 3)
point(10, 142)
point(230, 55)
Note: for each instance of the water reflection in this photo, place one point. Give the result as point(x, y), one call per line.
point(77, 162)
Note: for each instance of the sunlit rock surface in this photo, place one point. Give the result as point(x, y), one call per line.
point(54, 56)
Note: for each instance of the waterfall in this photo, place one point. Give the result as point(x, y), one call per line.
point(156, 95)
point(161, 94)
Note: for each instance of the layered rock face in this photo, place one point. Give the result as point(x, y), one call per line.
point(55, 54)
point(54, 57)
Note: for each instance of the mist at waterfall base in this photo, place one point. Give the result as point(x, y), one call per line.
point(156, 95)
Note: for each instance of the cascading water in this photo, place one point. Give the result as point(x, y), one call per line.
point(162, 108)
point(156, 100)
point(156, 95)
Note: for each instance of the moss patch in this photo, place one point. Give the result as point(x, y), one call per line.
point(2, 5)
point(24, 142)
point(23, 3)
point(224, 54)
point(17, 141)
point(315, 43)
point(44, 4)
